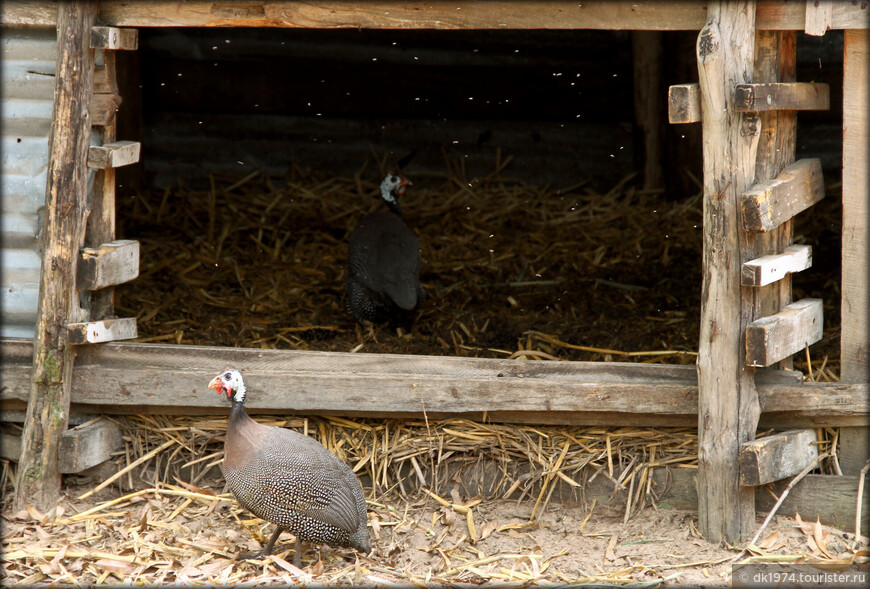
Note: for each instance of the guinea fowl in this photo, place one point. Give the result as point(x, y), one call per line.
point(289, 479)
point(383, 267)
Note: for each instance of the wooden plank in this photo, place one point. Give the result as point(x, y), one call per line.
point(114, 38)
point(769, 269)
point(103, 109)
point(831, 499)
point(853, 449)
point(777, 456)
point(109, 264)
point(649, 106)
point(114, 154)
point(728, 406)
point(819, 15)
point(855, 330)
point(62, 237)
point(105, 80)
point(783, 96)
point(771, 339)
point(684, 103)
point(690, 15)
point(123, 378)
point(107, 330)
point(88, 445)
point(768, 204)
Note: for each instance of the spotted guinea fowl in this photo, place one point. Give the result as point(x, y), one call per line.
point(290, 479)
point(383, 266)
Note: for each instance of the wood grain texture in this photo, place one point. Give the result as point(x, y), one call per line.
point(774, 267)
point(796, 326)
point(819, 15)
point(114, 154)
point(684, 103)
point(855, 288)
point(109, 264)
point(783, 96)
point(115, 39)
point(728, 406)
point(106, 330)
point(690, 15)
point(66, 209)
point(775, 457)
point(88, 445)
point(158, 378)
point(770, 203)
point(103, 108)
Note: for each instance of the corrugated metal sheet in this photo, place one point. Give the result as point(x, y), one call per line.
point(28, 66)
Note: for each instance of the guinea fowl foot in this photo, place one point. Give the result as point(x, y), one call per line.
point(265, 550)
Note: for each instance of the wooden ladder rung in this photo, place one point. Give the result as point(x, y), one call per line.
point(768, 204)
point(114, 154)
point(782, 96)
point(108, 330)
point(114, 38)
point(769, 269)
point(774, 338)
point(109, 264)
point(684, 103)
point(772, 458)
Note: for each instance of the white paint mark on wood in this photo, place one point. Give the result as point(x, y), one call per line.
point(769, 269)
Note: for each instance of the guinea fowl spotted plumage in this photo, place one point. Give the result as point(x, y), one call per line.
point(289, 479)
point(383, 267)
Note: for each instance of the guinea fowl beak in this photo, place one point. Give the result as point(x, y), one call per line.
point(216, 384)
point(403, 182)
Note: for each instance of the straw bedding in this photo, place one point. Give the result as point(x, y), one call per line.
point(512, 270)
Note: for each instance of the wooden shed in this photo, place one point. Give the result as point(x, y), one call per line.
point(745, 102)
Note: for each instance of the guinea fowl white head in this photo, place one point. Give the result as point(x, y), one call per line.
point(383, 267)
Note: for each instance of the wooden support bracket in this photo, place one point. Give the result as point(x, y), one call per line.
point(774, 338)
point(684, 103)
point(110, 264)
point(107, 330)
point(769, 269)
point(819, 15)
point(114, 38)
point(114, 155)
point(782, 96)
point(772, 458)
point(768, 204)
point(80, 448)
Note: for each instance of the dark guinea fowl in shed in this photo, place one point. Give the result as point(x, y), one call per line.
point(383, 266)
point(289, 479)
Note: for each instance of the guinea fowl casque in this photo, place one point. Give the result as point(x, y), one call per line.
point(290, 480)
point(383, 267)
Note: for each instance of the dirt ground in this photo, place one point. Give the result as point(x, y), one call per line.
point(190, 536)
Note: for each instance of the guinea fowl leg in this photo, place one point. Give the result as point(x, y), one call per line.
point(265, 550)
point(297, 555)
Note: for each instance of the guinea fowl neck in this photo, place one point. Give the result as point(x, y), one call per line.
point(238, 414)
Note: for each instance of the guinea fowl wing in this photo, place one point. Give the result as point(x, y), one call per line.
point(331, 500)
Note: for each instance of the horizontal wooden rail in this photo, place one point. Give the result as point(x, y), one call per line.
point(775, 15)
point(158, 378)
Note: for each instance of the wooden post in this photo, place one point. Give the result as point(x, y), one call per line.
point(65, 220)
point(728, 407)
point(649, 103)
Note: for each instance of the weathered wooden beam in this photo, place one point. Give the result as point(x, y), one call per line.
point(109, 264)
point(114, 38)
point(105, 80)
point(855, 293)
point(770, 339)
point(114, 155)
point(775, 457)
point(690, 15)
point(728, 406)
point(106, 330)
point(819, 15)
point(783, 96)
point(771, 268)
point(62, 237)
point(103, 109)
point(684, 103)
point(768, 204)
point(649, 107)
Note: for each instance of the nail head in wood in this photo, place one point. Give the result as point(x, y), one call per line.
point(782, 96)
point(768, 204)
point(114, 155)
point(775, 338)
point(109, 264)
point(114, 38)
point(108, 330)
point(684, 103)
point(776, 457)
point(769, 269)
